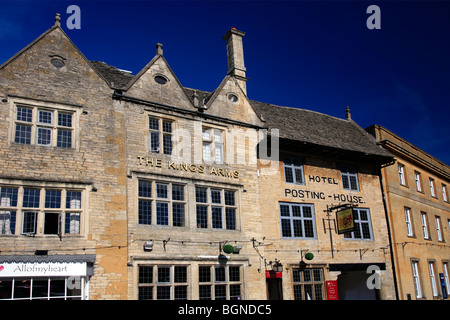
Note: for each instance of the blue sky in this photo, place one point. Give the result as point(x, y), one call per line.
point(317, 55)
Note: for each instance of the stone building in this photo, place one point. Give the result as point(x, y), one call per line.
point(327, 166)
point(416, 190)
point(122, 186)
point(63, 176)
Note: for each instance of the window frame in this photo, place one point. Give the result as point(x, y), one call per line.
point(31, 216)
point(54, 130)
point(299, 282)
point(154, 284)
point(292, 218)
point(425, 229)
point(162, 134)
point(416, 278)
point(432, 274)
point(445, 193)
point(157, 201)
point(359, 223)
point(401, 174)
point(209, 138)
point(292, 168)
point(418, 180)
point(228, 218)
point(213, 284)
point(346, 174)
point(440, 234)
point(432, 188)
point(408, 222)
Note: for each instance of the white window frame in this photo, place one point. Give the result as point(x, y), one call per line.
point(81, 283)
point(437, 221)
point(424, 218)
point(401, 174)
point(431, 269)
point(291, 218)
point(416, 279)
point(66, 225)
point(35, 125)
point(213, 145)
point(295, 167)
point(432, 188)
point(408, 222)
point(348, 175)
point(444, 193)
point(446, 276)
point(418, 181)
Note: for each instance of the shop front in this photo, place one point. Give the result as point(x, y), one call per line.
point(45, 277)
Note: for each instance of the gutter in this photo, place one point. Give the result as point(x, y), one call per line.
point(122, 97)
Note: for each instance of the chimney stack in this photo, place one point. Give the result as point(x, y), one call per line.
point(235, 55)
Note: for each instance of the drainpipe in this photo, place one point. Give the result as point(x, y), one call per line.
point(389, 233)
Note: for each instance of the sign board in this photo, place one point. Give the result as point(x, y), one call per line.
point(39, 269)
point(345, 222)
point(332, 290)
point(273, 274)
point(443, 286)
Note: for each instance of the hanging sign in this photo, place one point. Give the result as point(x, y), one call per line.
point(332, 290)
point(345, 222)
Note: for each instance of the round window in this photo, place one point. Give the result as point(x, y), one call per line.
point(161, 79)
point(58, 63)
point(232, 97)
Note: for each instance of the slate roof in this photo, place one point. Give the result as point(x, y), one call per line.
point(316, 128)
point(294, 124)
point(116, 78)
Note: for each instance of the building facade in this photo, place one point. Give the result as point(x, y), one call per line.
point(320, 175)
point(419, 216)
point(122, 186)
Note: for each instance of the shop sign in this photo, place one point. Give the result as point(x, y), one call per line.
point(332, 290)
point(42, 269)
point(345, 222)
point(273, 274)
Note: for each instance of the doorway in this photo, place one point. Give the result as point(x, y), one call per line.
point(274, 289)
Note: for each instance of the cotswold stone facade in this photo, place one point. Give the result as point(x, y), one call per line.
point(419, 214)
point(122, 186)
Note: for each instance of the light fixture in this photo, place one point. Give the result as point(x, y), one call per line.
point(222, 259)
point(277, 266)
point(148, 245)
point(237, 249)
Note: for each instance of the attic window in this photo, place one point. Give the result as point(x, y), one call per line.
point(232, 97)
point(161, 79)
point(57, 62)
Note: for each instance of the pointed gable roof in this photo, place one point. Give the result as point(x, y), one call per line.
point(143, 85)
point(55, 27)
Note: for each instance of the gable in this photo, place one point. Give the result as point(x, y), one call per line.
point(51, 68)
point(156, 82)
point(229, 101)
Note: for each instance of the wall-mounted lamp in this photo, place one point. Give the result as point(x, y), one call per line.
point(148, 245)
point(277, 266)
point(237, 249)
